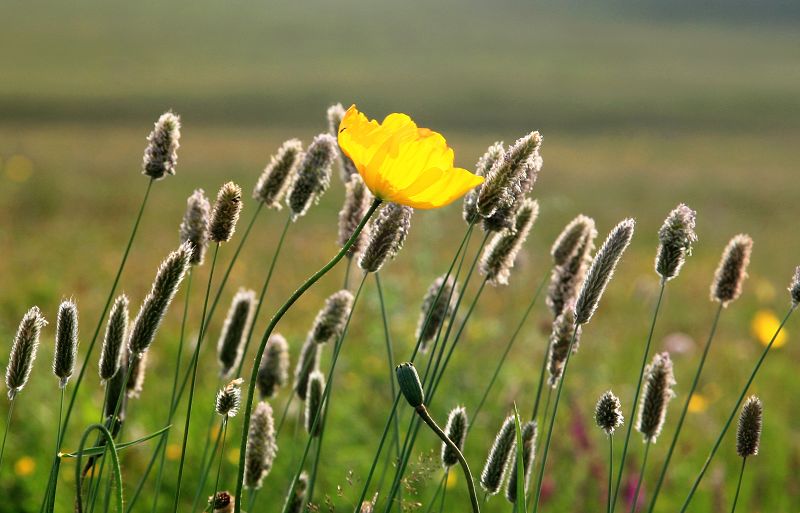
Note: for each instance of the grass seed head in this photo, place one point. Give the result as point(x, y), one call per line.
point(306, 364)
point(499, 456)
point(676, 237)
point(501, 253)
point(571, 239)
point(387, 235)
point(748, 432)
point(23, 351)
point(608, 413)
point(229, 398)
point(116, 330)
point(732, 270)
point(563, 328)
point(66, 341)
point(656, 395)
point(314, 409)
point(135, 384)
point(566, 278)
point(456, 431)
point(226, 213)
point(794, 287)
point(347, 170)
point(194, 227)
point(357, 200)
point(261, 446)
point(313, 175)
point(296, 503)
point(273, 373)
point(279, 173)
point(494, 153)
point(235, 331)
point(437, 305)
point(529, 431)
point(331, 320)
point(161, 154)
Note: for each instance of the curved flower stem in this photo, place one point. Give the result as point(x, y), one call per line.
point(473, 497)
point(738, 485)
point(221, 459)
point(115, 469)
point(271, 327)
point(635, 401)
point(695, 381)
point(635, 501)
point(734, 410)
point(8, 427)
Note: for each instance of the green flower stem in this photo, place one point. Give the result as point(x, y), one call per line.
point(221, 459)
point(115, 468)
point(389, 359)
point(738, 486)
point(635, 501)
point(8, 427)
point(270, 328)
point(206, 466)
point(610, 468)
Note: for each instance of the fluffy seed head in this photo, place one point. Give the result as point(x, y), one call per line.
point(748, 433)
point(528, 454)
point(410, 385)
point(161, 154)
point(357, 200)
point(23, 351)
point(437, 306)
point(794, 287)
point(676, 237)
point(571, 239)
point(261, 446)
point(296, 503)
point(276, 177)
point(154, 307)
point(601, 270)
point(313, 175)
point(66, 341)
point(332, 318)
point(656, 395)
point(456, 431)
point(235, 330)
point(561, 336)
point(194, 227)
point(229, 398)
point(387, 234)
point(226, 213)
point(135, 384)
point(608, 413)
point(316, 389)
point(114, 389)
point(566, 278)
point(482, 168)
point(347, 169)
point(499, 455)
point(510, 175)
point(274, 370)
point(732, 270)
point(116, 329)
point(306, 364)
point(501, 253)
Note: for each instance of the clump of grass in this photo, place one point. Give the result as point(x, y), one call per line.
point(494, 470)
point(234, 331)
point(501, 253)
point(278, 175)
point(161, 154)
point(313, 176)
point(387, 235)
point(437, 306)
point(273, 373)
point(195, 224)
point(226, 213)
point(732, 270)
point(66, 350)
point(116, 330)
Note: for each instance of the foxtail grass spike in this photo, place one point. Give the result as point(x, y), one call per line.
point(116, 330)
point(261, 446)
point(456, 430)
point(135, 384)
point(485, 163)
point(435, 311)
point(529, 435)
point(347, 170)
point(332, 318)
point(357, 200)
point(507, 176)
point(23, 351)
point(676, 237)
point(234, 331)
point(501, 252)
point(66, 342)
point(313, 175)
point(560, 338)
point(732, 270)
point(602, 270)
point(229, 398)
point(656, 395)
point(410, 385)
point(499, 456)
point(114, 389)
point(296, 502)
point(608, 413)
point(306, 364)
point(571, 239)
point(194, 227)
point(161, 154)
point(226, 213)
point(223, 502)
point(273, 374)
point(278, 175)
point(503, 217)
point(388, 233)
point(316, 389)
point(566, 278)
point(794, 287)
point(154, 307)
point(748, 433)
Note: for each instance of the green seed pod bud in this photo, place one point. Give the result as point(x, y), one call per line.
point(279, 173)
point(732, 270)
point(499, 455)
point(410, 385)
point(161, 154)
point(66, 342)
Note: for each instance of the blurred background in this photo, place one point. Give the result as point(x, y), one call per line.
point(642, 105)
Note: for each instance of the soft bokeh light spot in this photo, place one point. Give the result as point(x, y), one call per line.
point(173, 452)
point(452, 480)
point(698, 403)
point(19, 168)
point(764, 325)
point(24, 466)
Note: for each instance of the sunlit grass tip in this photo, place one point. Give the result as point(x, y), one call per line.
point(194, 227)
point(676, 237)
point(387, 235)
point(316, 389)
point(274, 181)
point(116, 330)
point(494, 153)
point(499, 457)
point(794, 287)
point(229, 399)
point(161, 154)
point(501, 253)
point(66, 350)
point(435, 311)
point(357, 200)
point(560, 338)
point(456, 430)
point(273, 374)
point(571, 239)
point(608, 413)
point(234, 330)
point(332, 318)
point(135, 384)
point(226, 213)
point(529, 435)
point(261, 446)
point(657, 393)
point(307, 363)
point(313, 176)
point(748, 432)
point(347, 170)
point(571, 263)
point(296, 502)
point(732, 270)
point(23, 351)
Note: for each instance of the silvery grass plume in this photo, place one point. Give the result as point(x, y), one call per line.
point(313, 175)
point(410, 385)
point(794, 287)
point(503, 218)
point(276, 177)
point(316, 389)
point(273, 373)
point(493, 154)
point(261, 446)
point(499, 455)
point(456, 431)
point(154, 307)
point(748, 433)
point(23, 351)
point(501, 253)
point(657, 394)
point(732, 270)
point(234, 330)
point(676, 237)
point(387, 234)
point(529, 435)
point(601, 270)
point(572, 258)
point(194, 227)
point(226, 213)
point(135, 384)
point(608, 413)
point(560, 338)
point(307, 363)
point(229, 398)
point(66, 342)
point(435, 311)
point(347, 170)
point(161, 154)
point(116, 329)
point(332, 318)
point(223, 502)
point(369, 506)
point(296, 503)
point(114, 390)
point(357, 200)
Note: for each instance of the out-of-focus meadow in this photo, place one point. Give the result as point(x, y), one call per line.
point(641, 107)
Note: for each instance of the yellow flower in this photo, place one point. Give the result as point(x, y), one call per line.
point(402, 163)
point(452, 479)
point(24, 466)
point(764, 325)
point(698, 404)
point(173, 452)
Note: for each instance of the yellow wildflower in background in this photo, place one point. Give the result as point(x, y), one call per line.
point(402, 163)
point(698, 403)
point(24, 466)
point(173, 452)
point(764, 325)
point(452, 479)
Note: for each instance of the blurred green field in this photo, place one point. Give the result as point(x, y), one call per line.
point(639, 112)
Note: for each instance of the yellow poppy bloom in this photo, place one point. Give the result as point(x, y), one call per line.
point(402, 163)
point(764, 325)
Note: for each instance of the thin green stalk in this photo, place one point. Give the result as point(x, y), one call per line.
point(221, 459)
point(115, 468)
point(283, 415)
point(635, 500)
point(734, 410)
point(439, 489)
point(540, 386)
point(738, 486)
point(389, 358)
point(273, 323)
point(206, 468)
point(695, 381)
point(8, 427)
point(444, 490)
point(544, 416)
point(205, 462)
point(610, 468)
point(635, 401)
point(347, 273)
